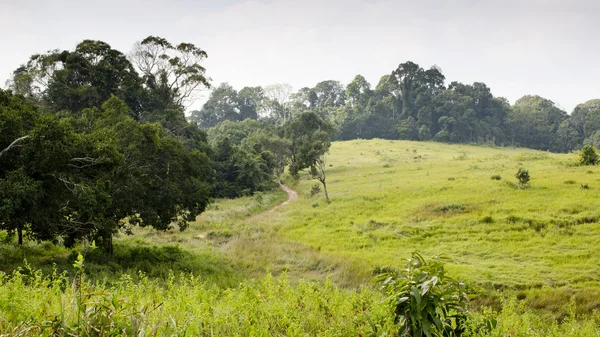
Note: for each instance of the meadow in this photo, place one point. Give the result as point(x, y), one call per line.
point(528, 255)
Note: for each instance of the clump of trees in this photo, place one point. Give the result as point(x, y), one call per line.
point(91, 142)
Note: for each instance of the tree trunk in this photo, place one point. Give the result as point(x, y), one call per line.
point(20, 233)
point(325, 190)
point(109, 244)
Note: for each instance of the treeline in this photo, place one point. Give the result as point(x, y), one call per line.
point(412, 103)
point(93, 141)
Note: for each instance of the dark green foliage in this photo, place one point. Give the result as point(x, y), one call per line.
point(238, 172)
point(248, 156)
point(523, 178)
point(534, 122)
point(588, 155)
point(98, 159)
point(81, 175)
point(310, 139)
point(424, 301)
point(226, 104)
point(585, 187)
point(86, 77)
point(496, 177)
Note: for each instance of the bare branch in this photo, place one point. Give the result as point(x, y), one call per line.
point(13, 144)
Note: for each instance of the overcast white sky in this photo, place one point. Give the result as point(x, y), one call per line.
point(517, 47)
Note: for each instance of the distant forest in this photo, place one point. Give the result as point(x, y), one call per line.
point(412, 103)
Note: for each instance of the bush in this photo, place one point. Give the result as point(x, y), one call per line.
point(458, 208)
point(523, 176)
point(487, 219)
point(588, 155)
point(496, 177)
point(314, 190)
point(424, 301)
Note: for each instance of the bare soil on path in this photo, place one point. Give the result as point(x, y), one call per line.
point(292, 196)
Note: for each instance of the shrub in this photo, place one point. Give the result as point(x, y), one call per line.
point(423, 300)
point(487, 219)
point(451, 208)
point(585, 187)
point(569, 182)
point(462, 156)
point(523, 177)
point(512, 219)
point(496, 177)
point(314, 190)
point(588, 155)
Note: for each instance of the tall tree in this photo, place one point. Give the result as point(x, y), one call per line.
point(173, 73)
point(276, 107)
point(358, 92)
point(223, 104)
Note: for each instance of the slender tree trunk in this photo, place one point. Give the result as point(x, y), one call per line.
point(325, 190)
point(20, 234)
point(110, 244)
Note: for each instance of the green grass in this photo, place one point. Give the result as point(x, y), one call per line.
point(390, 198)
point(530, 255)
point(422, 210)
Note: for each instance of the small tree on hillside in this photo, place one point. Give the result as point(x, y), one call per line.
point(317, 171)
point(523, 176)
point(310, 140)
point(588, 155)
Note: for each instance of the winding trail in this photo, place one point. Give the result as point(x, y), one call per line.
point(292, 196)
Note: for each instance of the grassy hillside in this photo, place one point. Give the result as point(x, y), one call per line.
point(390, 198)
point(528, 254)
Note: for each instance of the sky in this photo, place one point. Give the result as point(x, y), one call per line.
point(517, 47)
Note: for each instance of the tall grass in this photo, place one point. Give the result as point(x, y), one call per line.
point(184, 306)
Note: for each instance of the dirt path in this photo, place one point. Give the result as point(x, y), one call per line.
point(292, 196)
